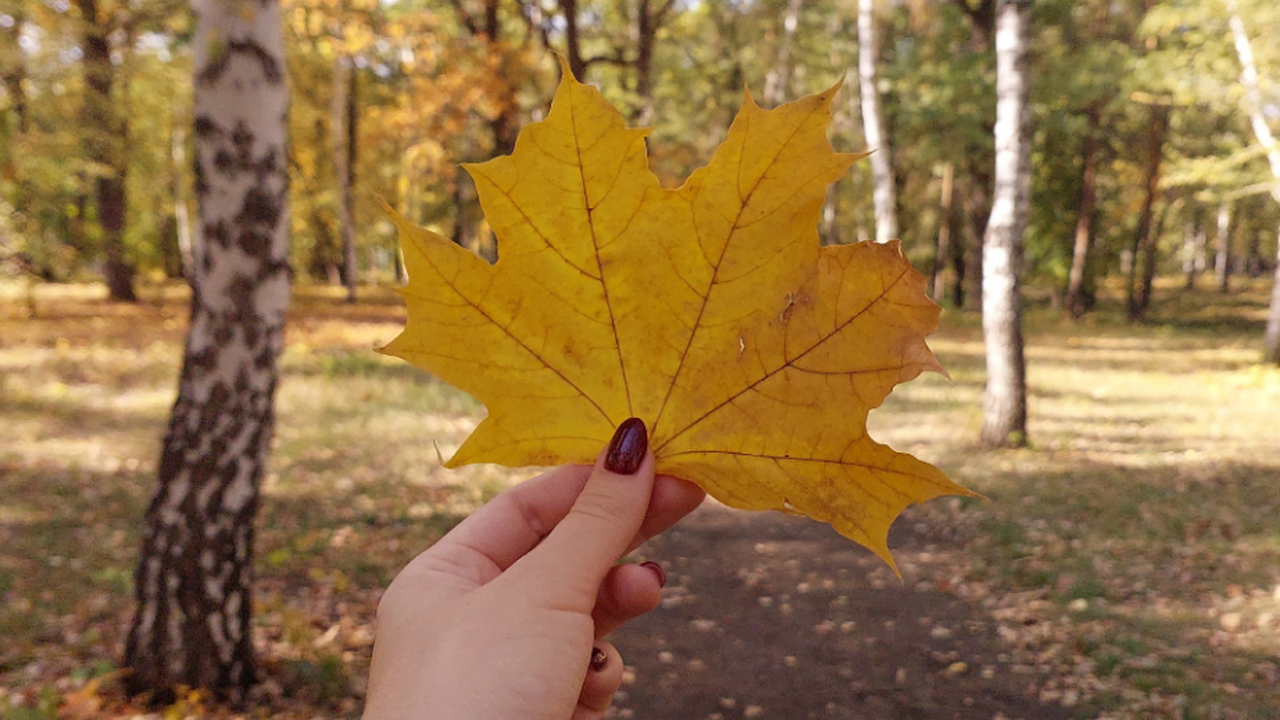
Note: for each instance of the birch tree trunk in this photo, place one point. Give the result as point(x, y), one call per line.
point(1005, 401)
point(1253, 102)
point(1271, 341)
point(193, 581)
point(873, 125)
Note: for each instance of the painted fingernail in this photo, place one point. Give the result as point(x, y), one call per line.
point(627, 448)
point(657, 570)
point(598, 659)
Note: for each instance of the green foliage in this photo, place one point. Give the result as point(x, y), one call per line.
point(433, 89)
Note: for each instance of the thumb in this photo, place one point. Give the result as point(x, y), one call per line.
point(571, 562)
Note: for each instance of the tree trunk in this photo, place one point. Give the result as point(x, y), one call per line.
point(966, 245)
point(830, 228)
point(1151, 260)
point(1253, 102)
point(572, 42)
point(1271, 341)
point(505, 125)
point(193, 581)
point(1005, 401)
point(1192, 239)
point(968, 293)
point(1145, 238)
point(978, 209)
point(342, 130)
point(1254, 265)
point(1222, 260)
point(646, 33)
point(15, 76)
point(1080, 292)
point(873, 125)
point(942, 259)
point(105, 148)
point(777, 82)
point(1202, 251)
point(181, 216)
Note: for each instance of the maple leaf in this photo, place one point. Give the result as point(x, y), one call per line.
point(710, 312)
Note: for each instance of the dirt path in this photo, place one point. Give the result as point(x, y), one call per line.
point(768, 616)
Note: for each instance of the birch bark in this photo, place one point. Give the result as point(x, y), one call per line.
point(1253, 102)
point(1005, 400)
point(193, 580)
point(873, 125)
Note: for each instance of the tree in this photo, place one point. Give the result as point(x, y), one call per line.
point(105, 145)
point(873, 126)
point(1222, 258)
point(192, 584)
point(1079, 296)
point(1005, 402)
point(1258, 120)
point(942, 258)
point(13, 73)
point(343, 135)
point(1143, 247)
point(648, 21)
point(777, 81)
point(978, 204)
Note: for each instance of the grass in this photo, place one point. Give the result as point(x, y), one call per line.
point(1131, 554)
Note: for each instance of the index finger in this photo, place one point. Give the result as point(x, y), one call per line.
point(492, 538)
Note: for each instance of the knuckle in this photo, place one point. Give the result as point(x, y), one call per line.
point(603, 507)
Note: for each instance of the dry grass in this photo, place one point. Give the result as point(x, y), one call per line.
point(1132, 554)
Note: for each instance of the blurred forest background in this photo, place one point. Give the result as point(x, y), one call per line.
point(1138, 108)
point(1127, 566)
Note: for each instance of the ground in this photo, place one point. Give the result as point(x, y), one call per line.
point(1126, 565)
point(773, 616)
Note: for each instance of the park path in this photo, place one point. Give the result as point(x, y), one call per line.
point(775, 617)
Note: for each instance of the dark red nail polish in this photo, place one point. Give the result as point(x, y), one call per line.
point(598, 659)
point(657, 570)
point(627, 448)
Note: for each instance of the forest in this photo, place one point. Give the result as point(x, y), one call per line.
point(1090, 188)
point(1145, 161)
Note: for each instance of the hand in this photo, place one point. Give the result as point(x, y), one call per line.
point(504, 616)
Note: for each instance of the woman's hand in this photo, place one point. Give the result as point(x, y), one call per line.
point(505, 616)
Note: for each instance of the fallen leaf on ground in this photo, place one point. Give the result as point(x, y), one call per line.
point(710, 312)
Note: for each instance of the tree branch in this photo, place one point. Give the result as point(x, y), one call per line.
point(617, 59)
point(535, 22)
point(661, 12)
point(465, 18)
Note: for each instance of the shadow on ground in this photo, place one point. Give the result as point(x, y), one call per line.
point(771, 616)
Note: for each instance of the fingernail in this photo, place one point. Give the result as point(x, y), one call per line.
point(657, 570)
point(598, 659)
point(627, 448)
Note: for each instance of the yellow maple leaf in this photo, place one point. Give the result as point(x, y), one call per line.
point(710, 312)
